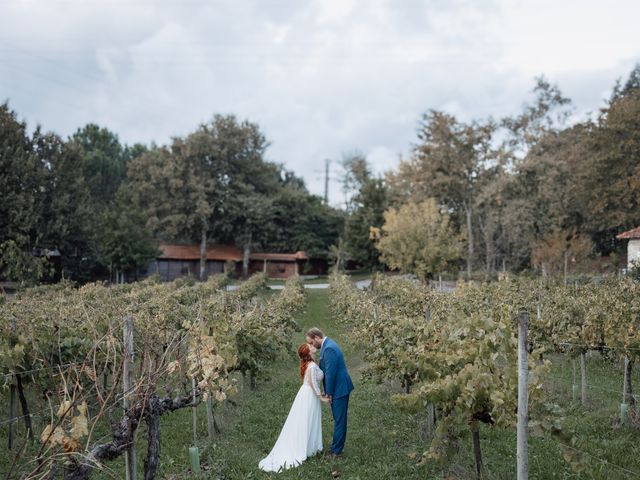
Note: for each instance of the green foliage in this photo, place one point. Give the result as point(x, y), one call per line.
point(302, 221)
point(22, 183)
point(216, 182)
point(70, 341)
point(417, 238)
point(458, 350)
point(513, 184)
point(365, 210)
point(104, 162)
point(634, 271)
point(125, 244)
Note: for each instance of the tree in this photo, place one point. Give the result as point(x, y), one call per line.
point(232, 180)
point(125, 244)
point(249, 218)
point(302, 221)
point(541, 195)
point(446, 164)
point(529, 187)
point(417, 238)
point(553, 253)
point(547, 114)
point(22, 185)
point(490, 208)
point(215, 183)
point(610, 190)
point(104, 161)
point(69, 217)
point(365, 209)
point(338, 256)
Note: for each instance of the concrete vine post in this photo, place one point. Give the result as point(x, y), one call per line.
point(523, 398)
point(583, 378)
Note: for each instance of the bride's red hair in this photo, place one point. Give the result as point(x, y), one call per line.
point(304, 352)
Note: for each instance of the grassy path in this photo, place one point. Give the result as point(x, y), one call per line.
point(382, 442)
point(378, 440)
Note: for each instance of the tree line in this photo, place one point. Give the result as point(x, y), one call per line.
point(88, 206)
point(530, 191)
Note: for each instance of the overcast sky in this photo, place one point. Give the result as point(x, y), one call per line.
point(320, 77)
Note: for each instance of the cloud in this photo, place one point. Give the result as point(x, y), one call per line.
point(320, 77)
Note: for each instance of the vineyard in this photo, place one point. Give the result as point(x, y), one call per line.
point(94, 368)
point(97, 379)
point(455, 355)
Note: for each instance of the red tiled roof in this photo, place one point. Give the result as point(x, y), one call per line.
point(192, 252)
point(635, 233)
point(282, 257)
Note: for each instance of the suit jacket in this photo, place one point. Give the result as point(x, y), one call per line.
point(337, 381)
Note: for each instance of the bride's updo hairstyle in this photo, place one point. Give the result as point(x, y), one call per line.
point(304, 352)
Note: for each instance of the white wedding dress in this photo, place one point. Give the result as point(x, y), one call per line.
point(301, 435)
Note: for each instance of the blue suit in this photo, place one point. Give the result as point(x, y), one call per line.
point(337, 384)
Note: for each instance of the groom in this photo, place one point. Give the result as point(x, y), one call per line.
point(337, 385)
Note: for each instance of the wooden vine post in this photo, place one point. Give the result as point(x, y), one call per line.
point(127, 382)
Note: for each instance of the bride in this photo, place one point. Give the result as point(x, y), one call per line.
point(301, 435)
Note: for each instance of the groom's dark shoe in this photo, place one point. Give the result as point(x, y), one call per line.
point(333, 456)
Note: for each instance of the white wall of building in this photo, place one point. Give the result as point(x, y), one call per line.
point(633, 252)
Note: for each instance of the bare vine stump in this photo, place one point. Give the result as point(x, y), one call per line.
point(627, 394)
point(12, 413)
point(431, 419)
point(152, 417)
point(25, 407)
point(477, 452)
point(407, 384)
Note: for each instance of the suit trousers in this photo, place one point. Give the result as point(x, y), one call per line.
point(339, 407)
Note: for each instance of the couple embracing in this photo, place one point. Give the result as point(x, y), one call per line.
point(301, 435)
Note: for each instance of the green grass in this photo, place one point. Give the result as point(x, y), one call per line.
point(378, 439)
point(382, 442)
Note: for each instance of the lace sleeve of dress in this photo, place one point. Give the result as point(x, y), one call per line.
point(315, 380)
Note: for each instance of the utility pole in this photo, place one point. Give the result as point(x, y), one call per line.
point(326, 181)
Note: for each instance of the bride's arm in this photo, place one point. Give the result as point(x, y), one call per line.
point(315, 381)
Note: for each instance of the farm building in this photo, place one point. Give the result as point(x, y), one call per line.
point(633, 247)
point(179, 260)
point(278, 265)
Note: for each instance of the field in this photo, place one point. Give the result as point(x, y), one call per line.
point(384, 442)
